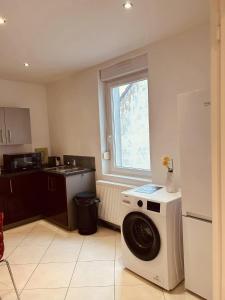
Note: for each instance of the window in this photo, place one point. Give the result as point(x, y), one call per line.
point(128, 124)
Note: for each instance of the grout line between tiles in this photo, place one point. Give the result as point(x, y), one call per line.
point(90, 286)
point(62, 287)
point(74, 269)
point(46, 288)
point(18, 245)
point(25, 235)
point(85, 261)
point(38, 263)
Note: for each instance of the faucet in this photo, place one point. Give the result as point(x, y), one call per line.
point(71, 163)
point(74, 163)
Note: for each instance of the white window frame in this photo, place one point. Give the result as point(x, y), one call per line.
point(143, 75)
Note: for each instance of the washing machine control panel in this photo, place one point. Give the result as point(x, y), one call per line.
point(153, 206)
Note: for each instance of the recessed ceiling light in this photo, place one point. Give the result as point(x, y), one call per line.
point(26, 65)
point(2, 20)
point(128, 4)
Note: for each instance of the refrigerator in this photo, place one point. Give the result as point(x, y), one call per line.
point(195, 167)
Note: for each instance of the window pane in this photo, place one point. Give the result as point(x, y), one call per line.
point(131, 125)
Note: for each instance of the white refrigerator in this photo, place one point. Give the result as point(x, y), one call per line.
point(195, 164)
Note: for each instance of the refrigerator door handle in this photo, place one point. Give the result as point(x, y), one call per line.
point(198, 217)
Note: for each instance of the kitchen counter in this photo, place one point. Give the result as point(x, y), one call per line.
point(46, 192)
point(68, 171)
point(55, 170)
point(7, 174)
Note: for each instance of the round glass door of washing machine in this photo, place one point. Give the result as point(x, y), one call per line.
point(141, 236)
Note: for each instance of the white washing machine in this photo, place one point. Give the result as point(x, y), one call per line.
point(152, 234)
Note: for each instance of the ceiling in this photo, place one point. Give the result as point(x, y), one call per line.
point(58, 37)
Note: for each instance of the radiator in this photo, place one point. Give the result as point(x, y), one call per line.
point(109, 194)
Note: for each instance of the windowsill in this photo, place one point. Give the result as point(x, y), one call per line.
point(131, 180)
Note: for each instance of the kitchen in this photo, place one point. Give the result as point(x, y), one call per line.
point(68, 118)
point(51, 189)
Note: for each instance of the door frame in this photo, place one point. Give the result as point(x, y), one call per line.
point(218, 144)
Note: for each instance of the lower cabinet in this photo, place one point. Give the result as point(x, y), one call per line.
point(58, 194)
point(54, 198)
point(19, 197)
point(4, 196)
point(28, 195)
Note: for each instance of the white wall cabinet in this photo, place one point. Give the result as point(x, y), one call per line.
point(15, 128)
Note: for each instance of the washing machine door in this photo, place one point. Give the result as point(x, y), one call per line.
point(141, 236)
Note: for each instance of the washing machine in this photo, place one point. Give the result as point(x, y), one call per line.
point(151, 233)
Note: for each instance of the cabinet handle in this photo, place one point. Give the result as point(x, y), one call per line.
point(11, 186)
point(51, 184)
point(2, 140)
point(9, 135)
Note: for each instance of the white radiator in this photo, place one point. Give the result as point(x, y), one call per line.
point(109, 194)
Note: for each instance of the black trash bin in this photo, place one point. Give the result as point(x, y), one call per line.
point(87, 212)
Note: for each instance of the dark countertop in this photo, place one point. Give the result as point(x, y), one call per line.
point(70, 173)
point(5, 174)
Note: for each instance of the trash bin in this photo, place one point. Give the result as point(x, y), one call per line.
point(87, 212)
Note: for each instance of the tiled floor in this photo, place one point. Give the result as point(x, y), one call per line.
point(50, 263)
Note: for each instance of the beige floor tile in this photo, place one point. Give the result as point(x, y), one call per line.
point(43, 225)
point(102, 232)
point(42, 238)
point(125, 277)
point(180, 294)
point(101, 248)
point(8, 250)
point(22, 229)
point(94, 273)
point(21, 275)
point(44, 294)
point(67, 240)
point(13, 239)
point(93, 293)
point(51, 275)
point(69, 234)
point(118, 249)
point(27, 254)
point(61, 254)
point(7, 295)
point(138, 292)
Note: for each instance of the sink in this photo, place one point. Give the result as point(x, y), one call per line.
point(70, 170)
point(65, 169)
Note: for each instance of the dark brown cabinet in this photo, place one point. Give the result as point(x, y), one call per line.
point(55, 199)
point(58, 195)
point(33, 194)
point(4, 196)
point(19, 197)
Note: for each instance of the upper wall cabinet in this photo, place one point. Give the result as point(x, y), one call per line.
point(15, 126)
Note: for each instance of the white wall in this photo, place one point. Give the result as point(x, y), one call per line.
point(27, 95)
point(73, 115)
point(178, 64)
